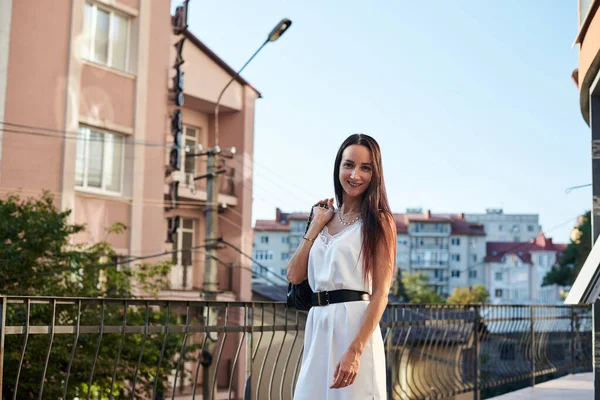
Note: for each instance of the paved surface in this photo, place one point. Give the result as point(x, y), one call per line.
point(571, 387)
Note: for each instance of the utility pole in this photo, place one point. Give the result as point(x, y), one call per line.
point(211, 213)
point(210, 287)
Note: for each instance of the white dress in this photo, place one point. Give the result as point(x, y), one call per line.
point(335, 262)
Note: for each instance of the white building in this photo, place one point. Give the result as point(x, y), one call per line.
point(500, 227)
point(450, 249)
point(274, 243)
point(515, 271)
point(445, 247)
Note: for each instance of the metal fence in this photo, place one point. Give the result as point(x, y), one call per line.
point(59, 348)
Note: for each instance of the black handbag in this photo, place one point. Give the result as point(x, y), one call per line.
point(300, 296)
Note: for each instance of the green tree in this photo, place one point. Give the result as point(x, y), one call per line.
point(573, 257)
point(415, 289)
point(477, 294)
point(38, 258)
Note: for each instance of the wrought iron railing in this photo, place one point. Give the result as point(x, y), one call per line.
point(60, 348)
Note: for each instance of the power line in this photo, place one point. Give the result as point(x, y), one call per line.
point(61, 134)
point(139, 258)
point(74, 136)
point(221, 240)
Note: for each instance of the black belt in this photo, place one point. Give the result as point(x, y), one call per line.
point(338, 296)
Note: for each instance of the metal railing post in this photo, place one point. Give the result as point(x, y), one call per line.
point(532, 344)
point(476, 330)
point(572, 310)
point(249, 348)
point(2, 333)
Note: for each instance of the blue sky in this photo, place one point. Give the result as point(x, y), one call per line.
point(471, 101)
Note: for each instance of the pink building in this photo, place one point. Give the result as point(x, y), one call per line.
point(86, 104)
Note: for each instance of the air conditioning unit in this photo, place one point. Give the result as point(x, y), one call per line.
point(177, 176)
point(190, 182)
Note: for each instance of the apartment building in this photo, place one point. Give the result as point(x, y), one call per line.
point(91, 98)
point(515, 271)
point(441, 246)
point(445, 247)
point(450, 249)
point(274, 243)
point(501, 227)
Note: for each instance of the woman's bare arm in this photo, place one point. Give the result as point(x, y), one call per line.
point(297, 267)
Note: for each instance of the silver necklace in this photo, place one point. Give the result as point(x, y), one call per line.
point(341, 219)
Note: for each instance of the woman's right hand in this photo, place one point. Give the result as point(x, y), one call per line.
point(321, 217)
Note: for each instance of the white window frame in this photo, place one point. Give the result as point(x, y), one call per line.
point(86, 157)
point(184, 138)
point(180, 231)
point(264, 239)
point(92, 39)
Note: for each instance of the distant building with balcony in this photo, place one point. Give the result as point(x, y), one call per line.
point(500, 227)
point(274, 243)
point(445, 247)
point(449, 248)
point(515, 271)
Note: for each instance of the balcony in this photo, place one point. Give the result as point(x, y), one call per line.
point(191, 190)
point(429, 246)
point(441, 281)
point(429, 229)
point(61, 347)
point(428, 264)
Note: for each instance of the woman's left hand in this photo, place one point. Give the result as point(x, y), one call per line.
point(346, 370)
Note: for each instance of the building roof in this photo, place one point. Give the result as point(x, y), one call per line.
point(218, 60)
point(280, 223)
point(262, 225)
point(459, 225)
point(496, 250)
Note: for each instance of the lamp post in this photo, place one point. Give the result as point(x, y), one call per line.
point(210, 286)
point(212, 190)
point(275, 34)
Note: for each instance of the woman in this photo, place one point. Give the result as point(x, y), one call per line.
point(348, 256)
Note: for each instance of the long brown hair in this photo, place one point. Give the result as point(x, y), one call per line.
point(374, 207)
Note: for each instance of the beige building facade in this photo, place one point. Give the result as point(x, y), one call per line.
point(86, 107)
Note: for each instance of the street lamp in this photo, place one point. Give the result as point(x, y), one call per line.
point(275, 34)
point(212, 216)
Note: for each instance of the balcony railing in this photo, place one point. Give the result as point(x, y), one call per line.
point(109, 348)
point(429, 246)
point(430, 264)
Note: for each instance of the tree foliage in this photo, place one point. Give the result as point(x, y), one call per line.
point(477, 294)
point(573, 257)
point(415, 289)
point(38, 258)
